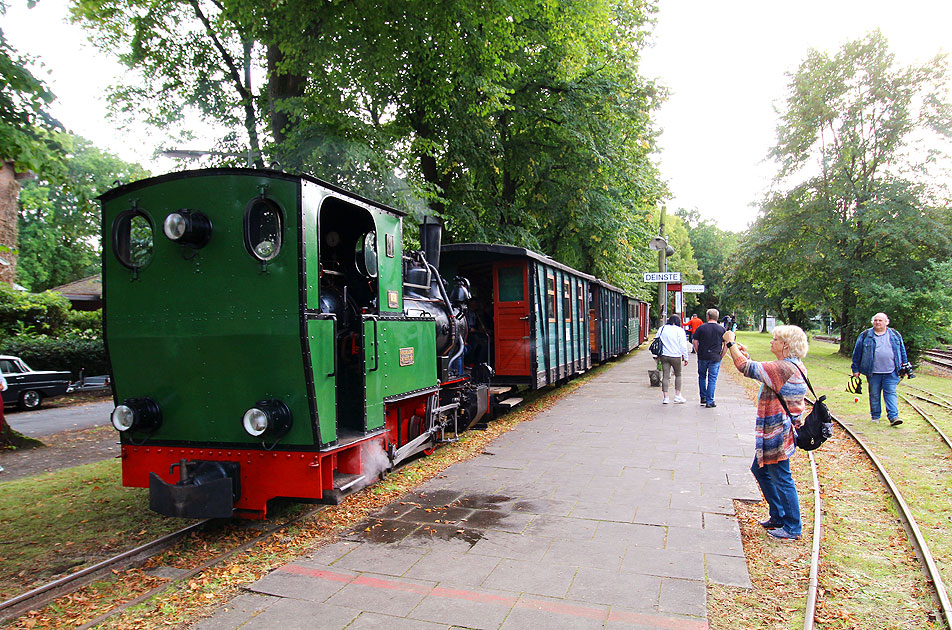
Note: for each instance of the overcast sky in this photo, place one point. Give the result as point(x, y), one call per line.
point(725, 64)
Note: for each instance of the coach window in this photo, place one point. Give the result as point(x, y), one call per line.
point(550, 295)
point(566, 300)
point(264, 227)
point(133, 238)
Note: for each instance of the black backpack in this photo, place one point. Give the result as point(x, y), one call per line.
point(656, 346)
point(817, 427)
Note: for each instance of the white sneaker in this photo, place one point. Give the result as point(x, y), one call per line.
point(665, 400)
point(679, 399)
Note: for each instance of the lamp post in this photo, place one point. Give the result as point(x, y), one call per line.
point(660, 245)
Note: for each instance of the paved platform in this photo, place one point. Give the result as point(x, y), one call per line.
point(608, 510)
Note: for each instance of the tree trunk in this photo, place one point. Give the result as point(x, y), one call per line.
point(848, 332)
point(281, 86)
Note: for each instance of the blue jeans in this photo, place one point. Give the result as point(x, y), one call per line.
point(707, 378)
point(884, 384)
point(776, 483)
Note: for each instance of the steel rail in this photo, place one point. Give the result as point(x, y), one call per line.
point(157, 544)
point(929, 400)
point(932, 570)
point(808, 619)
point(928, 419)
point(943, 397)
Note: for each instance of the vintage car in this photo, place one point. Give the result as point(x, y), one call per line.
point(27, 388)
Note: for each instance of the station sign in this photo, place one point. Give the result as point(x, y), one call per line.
point(693, 288)
point(667, 276)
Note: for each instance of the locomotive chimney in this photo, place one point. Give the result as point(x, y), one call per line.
point(431, 235)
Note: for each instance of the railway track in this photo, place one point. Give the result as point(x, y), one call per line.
point(48, 593)
point(939, 356)
point(42, 595)
point(909, 523)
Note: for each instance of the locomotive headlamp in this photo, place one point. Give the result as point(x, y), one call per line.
point(188, 227)
point(136, 413)
point(268, 417)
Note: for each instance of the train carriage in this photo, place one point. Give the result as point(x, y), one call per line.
point(608, 308)
point(530, 309)
point(637, 322)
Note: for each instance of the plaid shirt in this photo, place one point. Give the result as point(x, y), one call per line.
point(774, 432)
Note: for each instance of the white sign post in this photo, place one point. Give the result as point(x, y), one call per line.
point(692, 288)
point(667, 276)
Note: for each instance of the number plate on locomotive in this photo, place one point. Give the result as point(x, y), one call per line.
point(406, 356)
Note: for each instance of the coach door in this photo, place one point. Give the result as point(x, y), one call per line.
point(511, 315)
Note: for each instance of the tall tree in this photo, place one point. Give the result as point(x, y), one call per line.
point(523, 122)
point(714, 250)
point(861, 135)
point(59, 215)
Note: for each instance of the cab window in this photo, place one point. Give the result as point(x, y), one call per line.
point(133, 239)
point(264, 228)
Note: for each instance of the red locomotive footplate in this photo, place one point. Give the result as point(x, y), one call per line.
point(264, 474)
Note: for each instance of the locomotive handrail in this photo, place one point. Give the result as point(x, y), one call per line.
point(373, 318)
point(333, 318)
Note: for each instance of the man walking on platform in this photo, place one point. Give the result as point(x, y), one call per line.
point(710, 348)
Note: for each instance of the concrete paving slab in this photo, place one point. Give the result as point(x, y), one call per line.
point(555, 614)
point(617, 588)
point(729, 570)
point(238, 612)
point(298, 582)
point(286, 615)
point(382, 594)
point(529, 577)
point(481, 609)
point(608, 510)
point(453, 569)
point(375, 621)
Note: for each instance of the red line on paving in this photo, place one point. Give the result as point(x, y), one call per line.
point(390, 585)
point(316, 573)
point(470, 596)
point(570, 610)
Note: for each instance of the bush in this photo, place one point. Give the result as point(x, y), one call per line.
point(40, 313)
point(46, 353)
point(87, 323)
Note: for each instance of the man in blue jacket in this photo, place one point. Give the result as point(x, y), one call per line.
point(878, 354)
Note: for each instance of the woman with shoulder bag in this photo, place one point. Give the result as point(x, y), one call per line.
point(774, 429)
point(674, 352)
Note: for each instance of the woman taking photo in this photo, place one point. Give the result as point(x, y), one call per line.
point(774, 429)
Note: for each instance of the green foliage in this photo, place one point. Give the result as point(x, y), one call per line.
point(919, 310)
point(86, 323)
point(851, 237)
point(714, 250)
point(32, 313)
point(47, 353)
point(25, 126)
point(518, 122)
point(59, 215)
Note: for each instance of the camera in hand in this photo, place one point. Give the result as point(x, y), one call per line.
point(905, 369)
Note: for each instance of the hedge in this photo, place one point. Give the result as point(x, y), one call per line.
point(47, 353)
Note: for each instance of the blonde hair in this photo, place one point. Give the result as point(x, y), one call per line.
point(795, 340)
